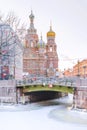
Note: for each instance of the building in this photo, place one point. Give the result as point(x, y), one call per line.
point(39, 58)
point(68, 73)
point(79, 69)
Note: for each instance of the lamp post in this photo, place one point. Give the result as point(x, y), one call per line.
point(0, 61)
point(78, 69)
point(14, 71)
point(14, 66)
point(84, 67)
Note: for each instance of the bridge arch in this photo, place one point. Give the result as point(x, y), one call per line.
point(41, 92)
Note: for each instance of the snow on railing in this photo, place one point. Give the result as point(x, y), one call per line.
point(47, 82)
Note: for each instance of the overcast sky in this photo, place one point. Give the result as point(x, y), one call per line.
point(69, 21)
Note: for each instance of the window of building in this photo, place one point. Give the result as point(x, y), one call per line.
point(50, 49)
point(31, 44)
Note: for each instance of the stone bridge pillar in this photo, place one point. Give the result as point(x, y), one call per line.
point(80, 98)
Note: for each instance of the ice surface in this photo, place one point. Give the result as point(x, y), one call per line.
point(49, 115)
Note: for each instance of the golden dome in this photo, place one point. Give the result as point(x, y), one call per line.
point(51, 33)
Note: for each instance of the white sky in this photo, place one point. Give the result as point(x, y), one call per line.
point(69, 21)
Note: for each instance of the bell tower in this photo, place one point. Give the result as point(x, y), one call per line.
point(51, 53)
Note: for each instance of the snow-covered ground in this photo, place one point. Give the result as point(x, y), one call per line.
point(48, 115)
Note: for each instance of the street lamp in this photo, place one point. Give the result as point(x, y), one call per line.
point(0, 61)
point(84, 67)
point(78, 69)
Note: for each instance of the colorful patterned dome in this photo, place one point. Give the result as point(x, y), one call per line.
point(41, 43)
point(51, 33)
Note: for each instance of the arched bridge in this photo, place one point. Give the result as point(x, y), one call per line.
point(56, 84)
point(75, 85)
point(47, 84)
point(11, 91)
point(45, 87)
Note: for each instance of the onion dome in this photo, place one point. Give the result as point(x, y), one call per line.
point(41, 42)
point(51, 33)
point(32, 29)
point(31, 16)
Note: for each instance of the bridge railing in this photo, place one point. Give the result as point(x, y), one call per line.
point(61, 82)
point(81, 82)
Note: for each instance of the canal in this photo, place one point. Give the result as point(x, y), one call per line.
point(46, 115)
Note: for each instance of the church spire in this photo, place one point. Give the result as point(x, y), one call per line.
point(31, 16)
point(31, 28)
point(41, 36)
point(41, 42)
point(50, 25)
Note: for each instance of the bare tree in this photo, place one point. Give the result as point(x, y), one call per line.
point(10, 51)
point(12, 20)
point(1, 16)
point(15, 22)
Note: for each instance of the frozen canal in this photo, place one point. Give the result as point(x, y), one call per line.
point(48, 115)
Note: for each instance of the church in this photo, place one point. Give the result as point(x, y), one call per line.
point(39, 58)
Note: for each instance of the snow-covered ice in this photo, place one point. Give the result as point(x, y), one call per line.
point(48, 115)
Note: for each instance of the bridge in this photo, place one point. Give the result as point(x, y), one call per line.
point(45, 84)
point(75, 85)
point(16, 91)
point(72, 82)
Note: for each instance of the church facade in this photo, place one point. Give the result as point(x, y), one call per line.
point(39, 58)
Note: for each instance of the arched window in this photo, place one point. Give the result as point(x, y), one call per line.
point(50, 49)
point(31, 44)
point(26, 43)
